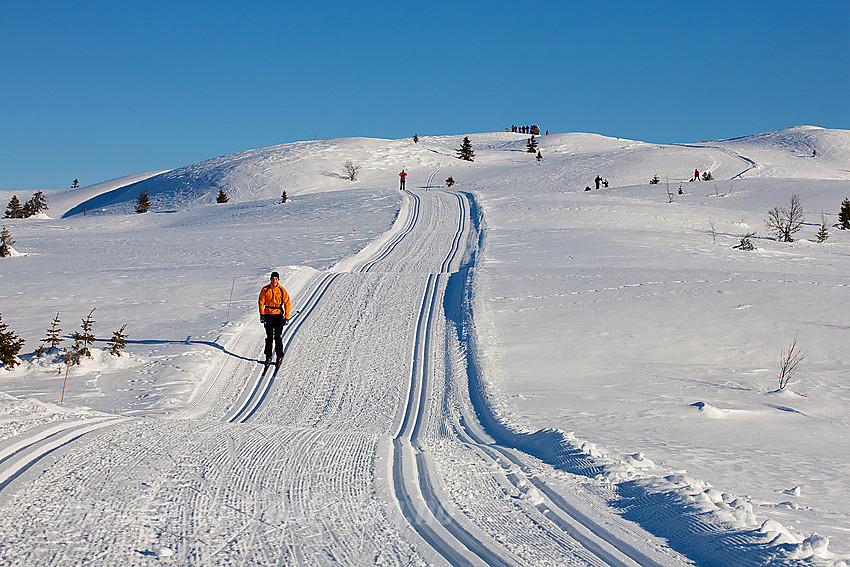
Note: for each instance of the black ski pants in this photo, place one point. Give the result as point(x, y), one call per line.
point(274, 328)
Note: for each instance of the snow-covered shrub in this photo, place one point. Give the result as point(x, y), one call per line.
point(745, 244)
point(222, 196)
point(655, 180)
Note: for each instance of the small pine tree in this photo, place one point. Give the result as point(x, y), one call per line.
point(531, 145)
point(655, 180)
point(118, 341)
point(5, 243)
point(450, 181)
point(706, 176)
point(844, 215)
point(83, 340)
point(143, 203)
point(283, 198)
point(222, 196)
point(465, 152)
point(823, 231)
point(53, 339)
point(415, 138)
point(539, 155)
point(26, 210)
point(14, 210)
point(10, 346)
point(38, 203)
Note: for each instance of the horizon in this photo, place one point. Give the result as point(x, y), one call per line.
point(100, 94)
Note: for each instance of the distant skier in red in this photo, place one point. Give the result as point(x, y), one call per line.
point(402, 176)
point(696, 175)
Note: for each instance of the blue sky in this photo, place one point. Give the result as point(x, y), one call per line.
point(98, 90)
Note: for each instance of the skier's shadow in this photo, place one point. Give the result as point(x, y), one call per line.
point(188, 341)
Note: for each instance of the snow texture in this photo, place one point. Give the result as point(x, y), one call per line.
point(512, 371)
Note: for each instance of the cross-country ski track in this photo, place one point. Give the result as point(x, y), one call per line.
point(373, 443)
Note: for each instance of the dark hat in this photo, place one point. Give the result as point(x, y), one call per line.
point(275, 275)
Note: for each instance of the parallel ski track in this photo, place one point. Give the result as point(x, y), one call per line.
point(254, 395)
point(412, 482)
point(408, 227)
point(24, 453)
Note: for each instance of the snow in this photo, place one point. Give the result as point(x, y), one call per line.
point(526, 358)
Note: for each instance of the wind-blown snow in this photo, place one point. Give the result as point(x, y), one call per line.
point(614, 325)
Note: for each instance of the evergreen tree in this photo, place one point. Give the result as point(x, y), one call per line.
point(10, 346)
point(38, 203)
point(5, 243)
point(14, 209)
point(143, 203)
point(539, 155)
point(26, 210)
point(76, 183)
point(118, 341)
point(465, 152)
point(531, 146)
point(82, 341)
point(222, 196)
point(450, 181)
point(415, 138)
point(283, 198)
point(53, 339)
point(844, 215)
point(654, 180)
point(823, 231)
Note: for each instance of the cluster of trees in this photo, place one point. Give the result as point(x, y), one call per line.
point(15, 210)
point(11, 344)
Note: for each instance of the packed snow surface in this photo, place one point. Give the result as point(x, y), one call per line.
point(510, 371)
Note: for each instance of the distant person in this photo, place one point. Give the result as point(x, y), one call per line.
point(274, 315)
point(547, 132)
point(598, 180)
point(696, 175)
point(402, 176)
point(605, 184)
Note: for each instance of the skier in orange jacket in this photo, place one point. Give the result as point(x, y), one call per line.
point(274, 315)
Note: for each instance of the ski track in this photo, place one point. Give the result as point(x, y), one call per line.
point(394, 458)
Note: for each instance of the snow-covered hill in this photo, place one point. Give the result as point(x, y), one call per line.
point(618, 324)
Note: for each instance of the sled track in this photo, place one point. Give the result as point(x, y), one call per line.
point(253, 397)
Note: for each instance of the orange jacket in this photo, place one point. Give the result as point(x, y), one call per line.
point(272, 299)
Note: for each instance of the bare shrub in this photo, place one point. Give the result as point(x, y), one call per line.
point(789, 361)
point(350, 169)
point(783, 223)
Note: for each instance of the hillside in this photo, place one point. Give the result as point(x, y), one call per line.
point(614, 336)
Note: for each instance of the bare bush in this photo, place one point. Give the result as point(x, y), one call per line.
point(789, 361)
point(350, 169)
point(783, 223)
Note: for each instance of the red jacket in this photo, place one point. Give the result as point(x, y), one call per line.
point(402, 175)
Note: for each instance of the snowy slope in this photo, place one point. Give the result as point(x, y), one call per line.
point(608, 334)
